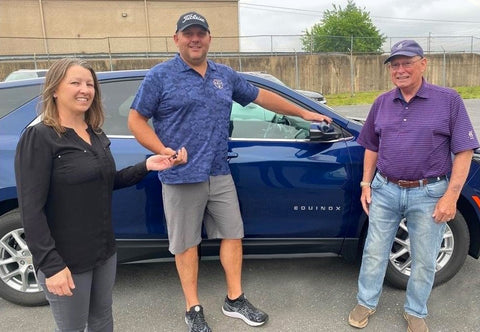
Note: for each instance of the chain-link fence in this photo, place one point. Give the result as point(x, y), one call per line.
point(29, 47)
point(453, 61)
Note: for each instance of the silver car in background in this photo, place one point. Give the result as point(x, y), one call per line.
point(318, 97)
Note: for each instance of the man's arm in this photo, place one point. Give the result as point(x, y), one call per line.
point(447, 205)
point(369, 167)
point(277, 104)
point(145, 135)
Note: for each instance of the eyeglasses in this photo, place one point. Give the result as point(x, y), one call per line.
point(405, 65)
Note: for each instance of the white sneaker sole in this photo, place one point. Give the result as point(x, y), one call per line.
point(242, 317)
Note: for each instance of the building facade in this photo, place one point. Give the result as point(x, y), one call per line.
point(108, 26)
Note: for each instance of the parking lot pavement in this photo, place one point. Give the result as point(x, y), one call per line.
point(307, 295)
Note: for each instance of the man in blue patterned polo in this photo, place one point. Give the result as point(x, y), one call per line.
point(410, 136)
point(190, 100)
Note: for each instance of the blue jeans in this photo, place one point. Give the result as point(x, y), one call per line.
point(390, 204)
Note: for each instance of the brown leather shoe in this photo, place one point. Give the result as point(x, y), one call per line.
point(415, 324)
point(359, 316)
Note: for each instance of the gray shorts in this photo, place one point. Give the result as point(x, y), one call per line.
point(213, 203)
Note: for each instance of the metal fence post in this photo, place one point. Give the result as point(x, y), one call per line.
point(428, 42)
point(444, 69)
point(110, 53)
point(296, 70)
point(311, 43)
point(352, 72)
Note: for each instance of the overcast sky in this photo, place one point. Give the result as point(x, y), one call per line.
point(394, 18)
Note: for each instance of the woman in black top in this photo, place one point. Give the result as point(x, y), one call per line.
point(65, 176)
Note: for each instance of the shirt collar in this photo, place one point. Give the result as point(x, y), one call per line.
point(423, 92)
point(182, 66)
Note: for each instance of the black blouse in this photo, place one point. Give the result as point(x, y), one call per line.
point(65, 195)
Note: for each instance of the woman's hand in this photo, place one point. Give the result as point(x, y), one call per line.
point(61, 283)
point(160, 162)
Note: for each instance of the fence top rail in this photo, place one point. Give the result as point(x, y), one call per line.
point(252, 44)
point(249, 36)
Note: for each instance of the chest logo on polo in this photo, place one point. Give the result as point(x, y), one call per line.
point(218, 83)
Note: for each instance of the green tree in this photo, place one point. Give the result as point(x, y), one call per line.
point(339, 27)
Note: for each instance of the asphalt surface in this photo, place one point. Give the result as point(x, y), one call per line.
point(308, 295)
point(304, 294)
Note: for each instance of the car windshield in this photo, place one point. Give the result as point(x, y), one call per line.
point(272, 78)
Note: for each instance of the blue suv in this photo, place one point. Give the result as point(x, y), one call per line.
point(298, 187)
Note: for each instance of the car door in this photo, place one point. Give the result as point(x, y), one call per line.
point(137, 211)
point(288, 185)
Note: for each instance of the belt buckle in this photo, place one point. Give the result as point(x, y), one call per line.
point(404, 183)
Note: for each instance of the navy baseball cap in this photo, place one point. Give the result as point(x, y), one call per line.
point(191, 18)
point(406, 48)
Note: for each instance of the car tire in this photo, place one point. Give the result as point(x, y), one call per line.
point(452, 255)
point(18, 283)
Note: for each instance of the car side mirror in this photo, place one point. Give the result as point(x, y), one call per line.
point(323, 131)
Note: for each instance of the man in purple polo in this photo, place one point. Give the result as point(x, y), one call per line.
point(409, 137)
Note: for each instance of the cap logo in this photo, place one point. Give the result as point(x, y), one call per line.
point(193, 17)
point(189, 19)
point(399, 46)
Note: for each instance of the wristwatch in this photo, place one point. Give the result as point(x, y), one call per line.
point(365, 184)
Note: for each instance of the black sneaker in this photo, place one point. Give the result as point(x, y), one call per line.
point(195, 320)
point(243, 309)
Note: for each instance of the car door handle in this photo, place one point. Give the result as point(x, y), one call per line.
point(232, 155)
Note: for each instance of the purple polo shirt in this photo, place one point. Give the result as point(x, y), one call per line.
point(415, 140)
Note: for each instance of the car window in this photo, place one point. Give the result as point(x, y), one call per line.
point(251, 121)
point(254, 121)
point(14, 97)
point(117, 96)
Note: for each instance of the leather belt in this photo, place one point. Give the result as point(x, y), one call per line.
point(414, 183)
